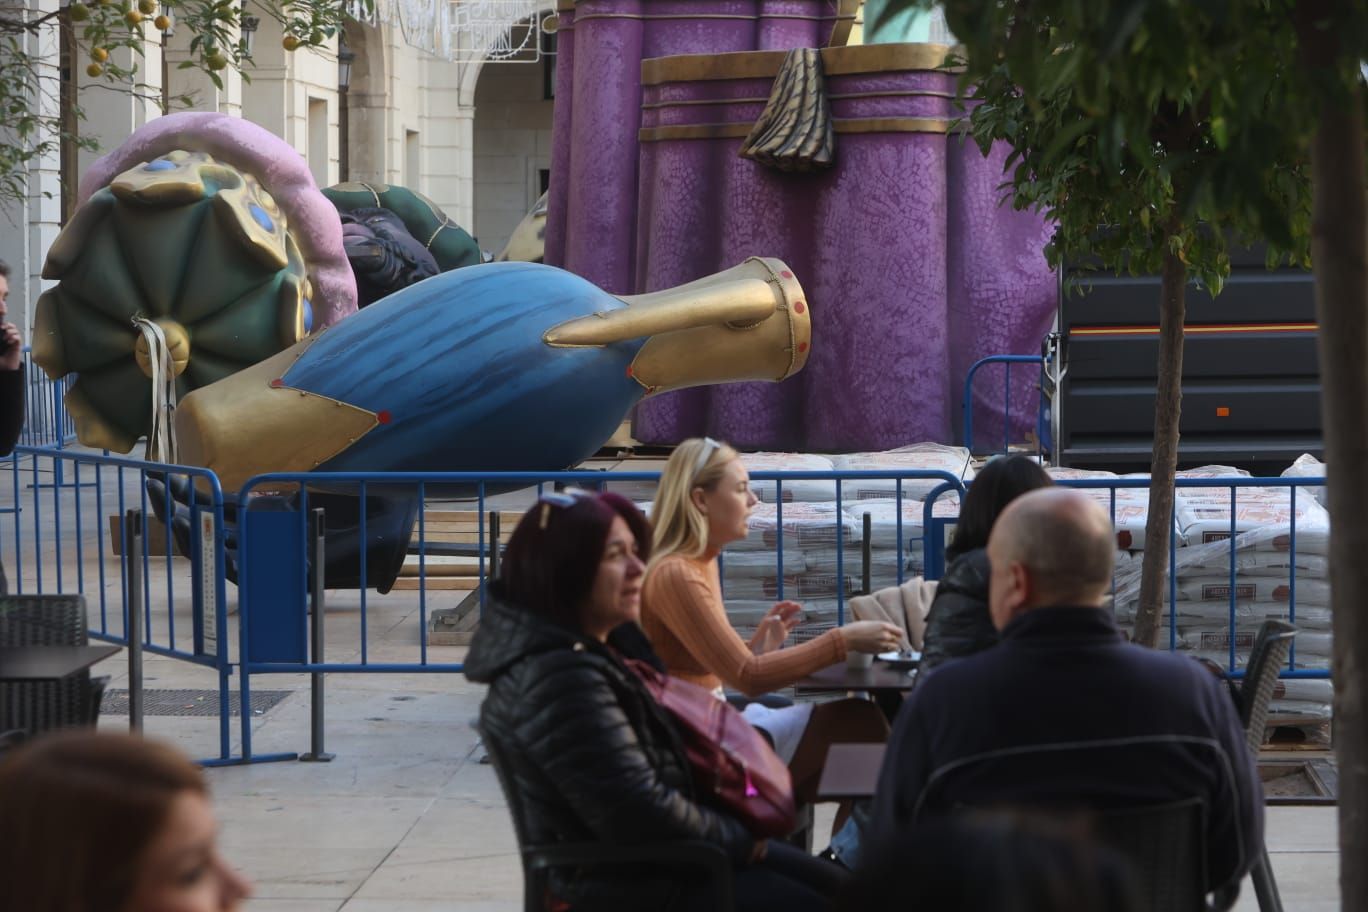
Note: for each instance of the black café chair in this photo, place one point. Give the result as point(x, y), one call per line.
point(39, 706)
point(701, 858)
point(1166, 847)
point(1266, 660)
point(1166, 844)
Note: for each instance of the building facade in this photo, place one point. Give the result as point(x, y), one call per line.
point(474, 136)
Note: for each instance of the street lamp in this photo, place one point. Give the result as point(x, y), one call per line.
point(345, 56)
point(248, 25)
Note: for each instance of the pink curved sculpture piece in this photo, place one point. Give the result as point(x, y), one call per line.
point(313, 220)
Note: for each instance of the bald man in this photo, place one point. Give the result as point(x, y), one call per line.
point(1063, 712)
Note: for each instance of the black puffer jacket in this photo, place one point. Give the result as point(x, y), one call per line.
point(593, 756)
point(958, 623)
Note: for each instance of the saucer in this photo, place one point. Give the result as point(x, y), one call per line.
point(898, 659)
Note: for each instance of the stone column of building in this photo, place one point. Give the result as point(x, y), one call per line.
point(112, 113)
point(369, 103)
point(294, 95)
point(29, 225)
point(193, 85)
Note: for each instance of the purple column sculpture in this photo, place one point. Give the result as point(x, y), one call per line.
point(591, 211)
point(868, 240)
point(1002, 294)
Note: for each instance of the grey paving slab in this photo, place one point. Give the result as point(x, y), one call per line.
point(477, 824)
point(306, 872)
point(423, 905)
point(1301, 829)
point(269, 904)
point(454, 874)
point(323, 823)
point(1307, 882)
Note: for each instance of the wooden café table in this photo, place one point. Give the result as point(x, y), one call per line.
point(886, 684)
point(850, 771)
point(876, 679)
point(48, 663)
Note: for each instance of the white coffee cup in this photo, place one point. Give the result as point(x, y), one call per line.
point(860, 659)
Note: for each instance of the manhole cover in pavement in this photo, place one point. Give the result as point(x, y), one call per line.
point(188, 702)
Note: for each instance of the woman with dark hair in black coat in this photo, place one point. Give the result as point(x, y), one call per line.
point(958, 624)
point(587, 753)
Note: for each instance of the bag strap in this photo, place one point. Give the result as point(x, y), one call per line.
point(649, 675)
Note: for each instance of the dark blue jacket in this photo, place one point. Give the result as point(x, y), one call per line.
point(1063, 712)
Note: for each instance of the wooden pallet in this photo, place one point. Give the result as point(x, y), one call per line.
point(450, 572)
point(155, 537)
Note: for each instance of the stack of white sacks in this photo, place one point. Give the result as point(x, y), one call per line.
point(1267, 575)
point(812, 526)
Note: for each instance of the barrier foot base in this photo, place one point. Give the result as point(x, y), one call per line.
point(244, 761)
point(319, 757)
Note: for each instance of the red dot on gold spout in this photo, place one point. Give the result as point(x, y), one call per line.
point(383, 416)
point(802, 347)
point(277, 383)
point(786, 274)
point(799, 307)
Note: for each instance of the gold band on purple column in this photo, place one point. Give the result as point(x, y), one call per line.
point(841, 125)
point(762, 99)
point(641, 17)
point(836, 61)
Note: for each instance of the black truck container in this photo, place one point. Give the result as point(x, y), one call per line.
point(1251, 381)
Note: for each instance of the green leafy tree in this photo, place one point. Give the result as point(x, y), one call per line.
point(32, 126)
point(1128, 133)
point(1148, 130)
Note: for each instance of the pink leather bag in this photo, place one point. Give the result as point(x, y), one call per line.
point(731, 761)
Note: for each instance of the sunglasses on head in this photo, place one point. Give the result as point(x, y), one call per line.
point(709, 446)
point(560, 500)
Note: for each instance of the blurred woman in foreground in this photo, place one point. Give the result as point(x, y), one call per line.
point(109, 823)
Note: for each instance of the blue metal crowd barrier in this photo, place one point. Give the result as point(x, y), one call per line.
point(54, 545)
point(282, 603)
point(56, 540)
point(1233, 484)
point(967, 403)
point(46, 421)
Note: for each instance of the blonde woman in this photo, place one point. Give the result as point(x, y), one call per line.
point(703, 503)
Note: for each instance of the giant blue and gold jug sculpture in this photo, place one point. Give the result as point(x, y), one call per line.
point(514, 366)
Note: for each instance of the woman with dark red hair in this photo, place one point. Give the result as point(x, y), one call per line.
point(593, 757)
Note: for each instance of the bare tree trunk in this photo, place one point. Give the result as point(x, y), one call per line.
point(1168, 398)
point(1339, 252)
point(1339, 249)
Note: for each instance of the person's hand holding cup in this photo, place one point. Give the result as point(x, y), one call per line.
point(865, 639)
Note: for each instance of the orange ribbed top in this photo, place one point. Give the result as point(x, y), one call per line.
point(683, 614)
